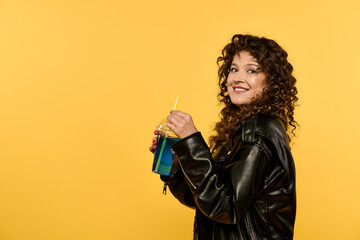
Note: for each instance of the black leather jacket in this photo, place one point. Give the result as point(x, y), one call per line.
point(243, 190)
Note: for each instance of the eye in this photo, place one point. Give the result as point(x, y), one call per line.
point(233, 70)
point(252, 71)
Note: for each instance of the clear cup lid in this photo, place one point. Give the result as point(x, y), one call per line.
point(164, 129)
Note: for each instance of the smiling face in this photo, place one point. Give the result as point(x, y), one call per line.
point(245, 80)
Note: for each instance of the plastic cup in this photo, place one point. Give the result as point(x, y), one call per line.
point(164, 156)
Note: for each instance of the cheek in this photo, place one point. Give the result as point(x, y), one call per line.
point(259, 83)
point(228, 82)
point(262, 86)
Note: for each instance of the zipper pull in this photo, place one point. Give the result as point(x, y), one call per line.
point(164, 189)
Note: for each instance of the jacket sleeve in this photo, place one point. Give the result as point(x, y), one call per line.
point(222, 194)
point(179, 187)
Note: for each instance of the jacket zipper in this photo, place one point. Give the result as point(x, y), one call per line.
point(190, 181)
point(164, 189)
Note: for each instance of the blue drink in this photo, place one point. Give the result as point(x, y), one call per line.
point(164, 157)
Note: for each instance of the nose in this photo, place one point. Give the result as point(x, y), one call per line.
point(239, 77)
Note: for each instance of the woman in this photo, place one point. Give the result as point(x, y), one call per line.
point(243, 186)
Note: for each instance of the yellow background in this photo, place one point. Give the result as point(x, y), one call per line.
point(84, 83)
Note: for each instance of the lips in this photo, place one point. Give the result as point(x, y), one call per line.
point(238, 89)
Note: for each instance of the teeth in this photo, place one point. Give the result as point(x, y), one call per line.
point(240, 89)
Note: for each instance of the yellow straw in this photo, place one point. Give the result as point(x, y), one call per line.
point(176, 102)
point(164, 142)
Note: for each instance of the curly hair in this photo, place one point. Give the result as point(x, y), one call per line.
point(278, 97)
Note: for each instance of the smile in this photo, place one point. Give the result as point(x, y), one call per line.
point(240, 90)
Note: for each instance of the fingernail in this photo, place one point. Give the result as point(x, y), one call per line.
point(154, 145)
point(154, 141)
point(171, 111)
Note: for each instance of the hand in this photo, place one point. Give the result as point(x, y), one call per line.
point(181, 124)
point(154, 140)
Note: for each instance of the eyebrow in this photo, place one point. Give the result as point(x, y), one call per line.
point(249, 64)
point(253, 64)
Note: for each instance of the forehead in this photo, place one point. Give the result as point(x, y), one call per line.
point(244, 56)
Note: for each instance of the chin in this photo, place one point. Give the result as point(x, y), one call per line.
point(240, 102)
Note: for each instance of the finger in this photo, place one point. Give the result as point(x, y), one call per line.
point(182, 115)
point(157, 132)
point(174, 119)
point(172, 128)
point(162, 134)
point(153, 143)
point(152, 148)
point(179, 113)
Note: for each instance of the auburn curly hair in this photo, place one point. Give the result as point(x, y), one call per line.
point(278, 96)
